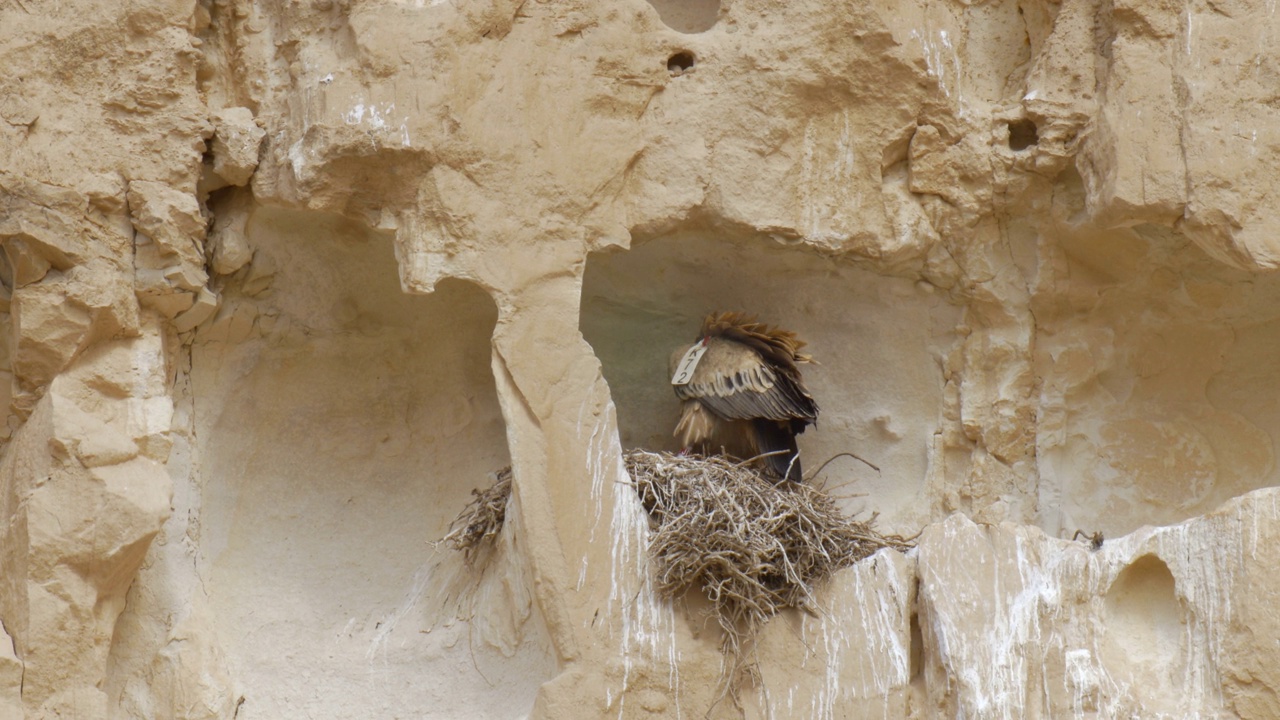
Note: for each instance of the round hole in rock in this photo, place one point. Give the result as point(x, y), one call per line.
point(341, 424)
point(688, 16)
point(680, 62)
point(1022, 134)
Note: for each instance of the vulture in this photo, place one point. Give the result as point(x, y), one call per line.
point(741, 393)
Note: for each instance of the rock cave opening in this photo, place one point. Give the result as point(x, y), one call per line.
point(1149, 353)
point(1145, 641)
point(680, 62)
point(879, 341)
point(688, 16)
point(339, 424)
point(916, 654)
point(1023, 134)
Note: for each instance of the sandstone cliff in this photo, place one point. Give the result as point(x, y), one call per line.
point(284, 281)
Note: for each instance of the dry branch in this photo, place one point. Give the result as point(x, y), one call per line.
point(752, 547)
point(482, 518)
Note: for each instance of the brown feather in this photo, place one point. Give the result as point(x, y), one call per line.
point(778, 346)
point(746, 396)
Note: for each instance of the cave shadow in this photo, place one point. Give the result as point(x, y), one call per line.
point(342, 425)
point(879, 341)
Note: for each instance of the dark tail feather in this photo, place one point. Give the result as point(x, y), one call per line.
point(773, 437)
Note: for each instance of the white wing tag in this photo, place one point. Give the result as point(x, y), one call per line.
point(684, 371)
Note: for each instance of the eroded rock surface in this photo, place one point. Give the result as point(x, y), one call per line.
point(1030, 242)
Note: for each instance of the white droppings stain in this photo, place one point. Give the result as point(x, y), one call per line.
point(642, 623)
point(596, 455)
point(1083, 680)
point(379, 117)
point(297, 158)
point(326, 79)
point(1191, 31)
point(381, 637)
point(830, 197)
point(355, 115)
point(984, 626)
point(1042, 603)
point(942, 63)
point(857, 646)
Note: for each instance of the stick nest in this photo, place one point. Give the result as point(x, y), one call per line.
point(753, 547)
point(482, 518)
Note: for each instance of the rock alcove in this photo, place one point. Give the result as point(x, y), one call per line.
point(638, 305)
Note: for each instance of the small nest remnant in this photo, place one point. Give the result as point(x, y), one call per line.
point(482, 518)
point(753, 547)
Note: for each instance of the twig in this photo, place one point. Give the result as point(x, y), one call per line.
point(824, 465)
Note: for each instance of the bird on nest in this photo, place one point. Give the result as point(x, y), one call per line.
point(742, 393)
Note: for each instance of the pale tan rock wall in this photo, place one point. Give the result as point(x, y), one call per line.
point(283, 282)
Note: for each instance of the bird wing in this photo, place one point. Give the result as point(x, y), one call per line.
point(736, 383)
point(777, 443)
